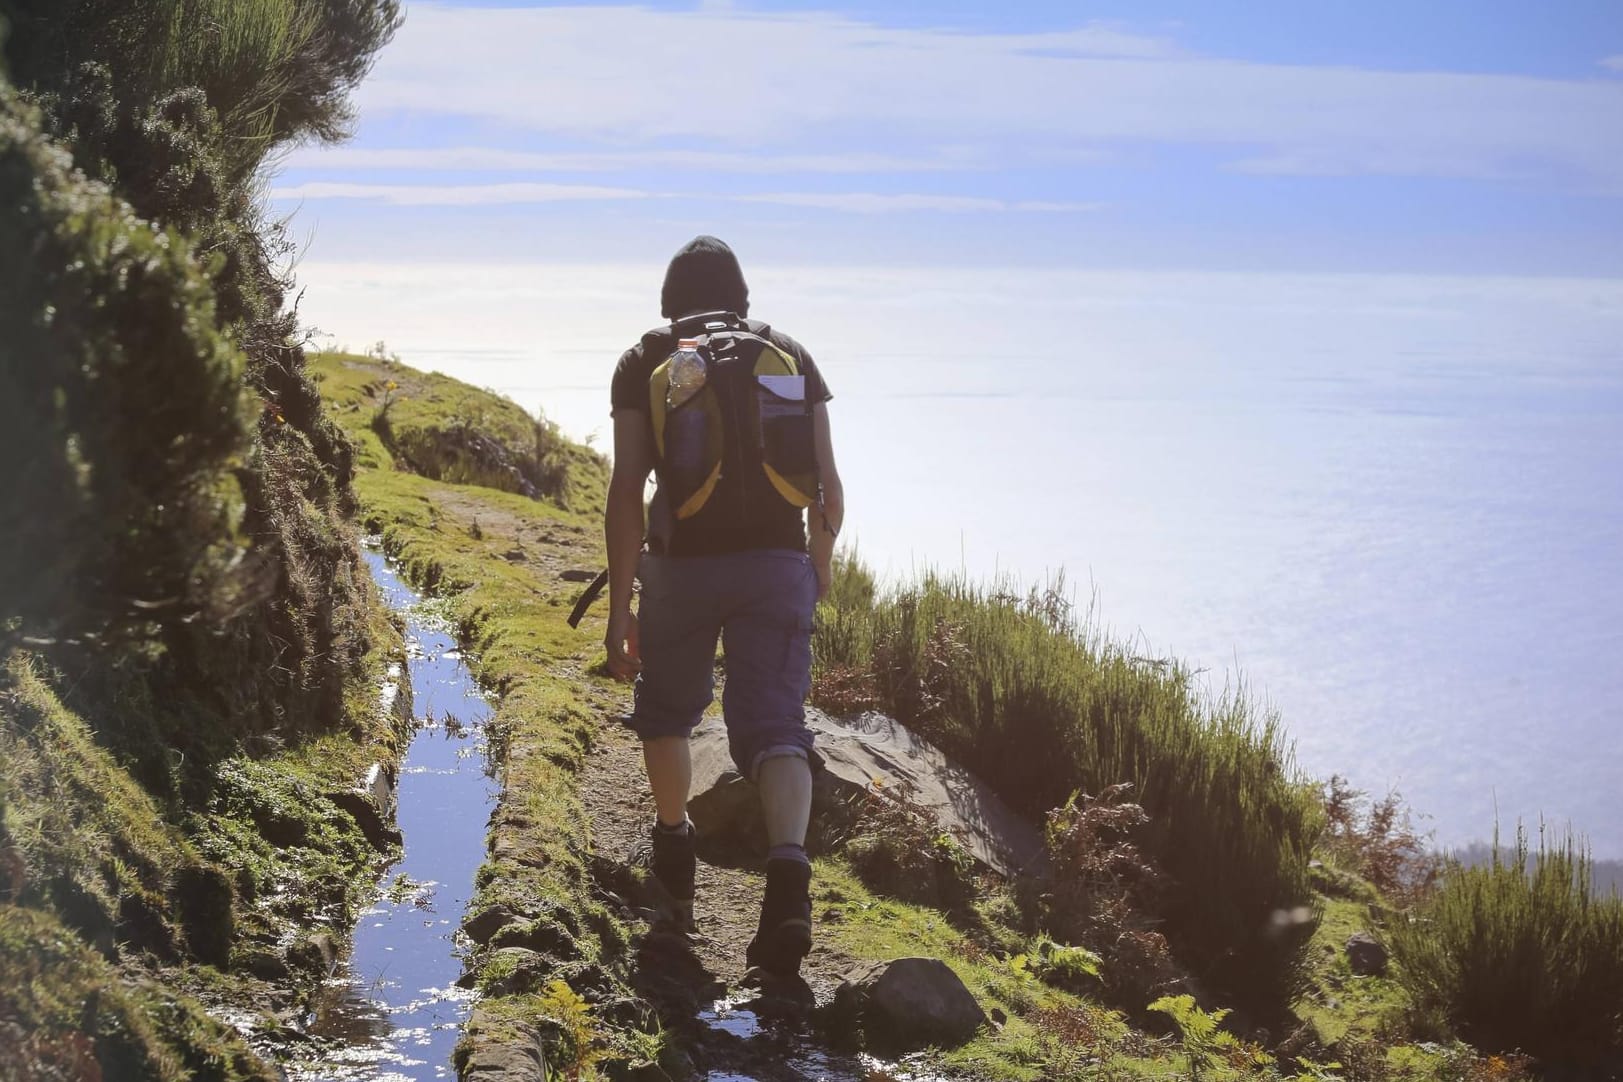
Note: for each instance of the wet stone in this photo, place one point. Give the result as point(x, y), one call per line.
point(912, 1003)
point(523, 970)
point(1366, 956)
point(483, 925)
point(543, 936)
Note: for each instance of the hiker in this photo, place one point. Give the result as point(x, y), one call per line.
point(731, 417)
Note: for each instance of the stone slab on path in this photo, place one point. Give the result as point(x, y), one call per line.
point(859, 752)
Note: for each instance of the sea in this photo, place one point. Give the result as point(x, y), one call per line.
point(1389, 506)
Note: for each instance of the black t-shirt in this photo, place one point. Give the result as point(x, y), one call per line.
point(710, 532)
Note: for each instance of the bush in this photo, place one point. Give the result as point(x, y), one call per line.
point(122, 408)
point(1519, 954)
point(1377, 840)
point(1045, 706)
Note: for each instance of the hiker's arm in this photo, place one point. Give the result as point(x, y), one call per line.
point(824, 526)
point(623, 529)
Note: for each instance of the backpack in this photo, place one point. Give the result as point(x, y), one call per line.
point(744, 440)
point(743, 443)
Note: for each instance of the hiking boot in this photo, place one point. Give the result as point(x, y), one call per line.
point(668, 854)
point(784, 934)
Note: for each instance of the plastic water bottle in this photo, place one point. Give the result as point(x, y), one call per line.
point(687, 373)
point(684, 429)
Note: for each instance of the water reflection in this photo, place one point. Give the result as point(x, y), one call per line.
point(393, 1012)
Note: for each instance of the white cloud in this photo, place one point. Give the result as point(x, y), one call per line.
point(493, 159)
point(874, 203)
point(1615, 63)
point(475, 195)
point(825, 84)
point(454, 195)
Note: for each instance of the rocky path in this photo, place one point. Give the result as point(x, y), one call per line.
point(697, 982)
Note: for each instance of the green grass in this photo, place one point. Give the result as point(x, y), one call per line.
point(1520, 954)
point(1046, 705)
point(66, 1013)
point(428, 423)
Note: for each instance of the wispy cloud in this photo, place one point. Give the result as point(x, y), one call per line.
point(472, 195)
point(825, 85)
point(495, 159)
point(873, 203)
point(1615, 63)
point(454, 195)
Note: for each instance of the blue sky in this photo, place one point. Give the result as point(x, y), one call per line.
point(1444, 137)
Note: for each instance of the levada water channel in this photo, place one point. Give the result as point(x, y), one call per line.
point(393, 1012)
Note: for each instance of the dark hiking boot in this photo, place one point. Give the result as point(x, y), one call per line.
point(668, 854)
point(784, 935)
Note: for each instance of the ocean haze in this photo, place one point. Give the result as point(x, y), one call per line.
point(1393, 502)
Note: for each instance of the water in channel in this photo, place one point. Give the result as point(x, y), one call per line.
point(393, 1011)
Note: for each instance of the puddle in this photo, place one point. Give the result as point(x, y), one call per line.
point(393, 1013)
point(727, 1016)
point(788, 1054)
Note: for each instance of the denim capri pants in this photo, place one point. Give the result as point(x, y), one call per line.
point(759, 603)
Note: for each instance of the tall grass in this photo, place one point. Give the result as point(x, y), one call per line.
point(1520, 953)
point(1042, 704)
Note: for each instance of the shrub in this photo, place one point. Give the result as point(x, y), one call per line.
point(1044, 706)
point(1519, 954)
point(122, 409)
point(1377, 840)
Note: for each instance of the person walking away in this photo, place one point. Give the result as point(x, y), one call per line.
point(731, 417)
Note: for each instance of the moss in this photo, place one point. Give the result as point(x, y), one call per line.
point(62, 1005)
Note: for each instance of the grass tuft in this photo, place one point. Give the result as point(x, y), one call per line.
point(1519, 954)
point(1046, 706)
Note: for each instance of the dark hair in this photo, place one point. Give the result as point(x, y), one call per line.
point(704, 277)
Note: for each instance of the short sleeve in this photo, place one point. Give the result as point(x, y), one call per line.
point(816, 387)
point(629, 388)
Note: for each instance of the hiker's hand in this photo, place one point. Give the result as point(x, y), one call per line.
point(625, 660)
point(825, 576)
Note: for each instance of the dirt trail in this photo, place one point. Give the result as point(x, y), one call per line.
point(769, 1038)
point(694, 982)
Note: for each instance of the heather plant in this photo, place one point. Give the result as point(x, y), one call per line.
point(1377, 839)
point(1046, 705)
point(1519, 954)
point(123, 412)
point(134, 354)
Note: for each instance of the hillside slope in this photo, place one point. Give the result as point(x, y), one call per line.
point(558, 934)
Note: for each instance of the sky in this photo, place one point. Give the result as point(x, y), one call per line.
point(1451, 137)
point(1292, 330)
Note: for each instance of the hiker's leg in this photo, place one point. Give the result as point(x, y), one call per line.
point(678, 623)
point(670, 773)
point(766, 633)
point(784, 780)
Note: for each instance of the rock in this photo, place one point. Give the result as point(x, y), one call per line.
point(521, 970)
point(483, 925)
point(204, 902)
point(544, 936)
point(912, 1003)
point(281, 830)
point(372, 805)
point(574, 574)
point(1366, 956)
point(380, 832)
point(265, 964)
point(637, 1072)
point(503, 1052)
point(858, 752)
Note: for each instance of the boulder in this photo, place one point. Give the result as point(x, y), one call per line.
point(372, 805)
point(482, 926)
point(504, 1051)
point(858, 753)
point(1366, 956)
point(518, 970)
point(912, 1003)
